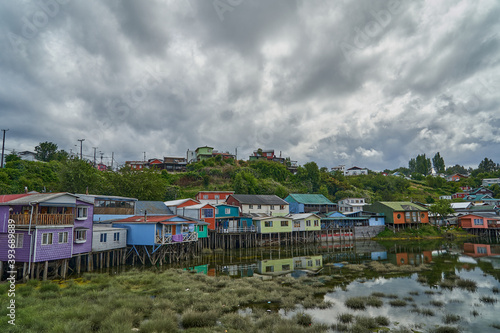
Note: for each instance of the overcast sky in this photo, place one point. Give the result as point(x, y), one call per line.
point(365, 83)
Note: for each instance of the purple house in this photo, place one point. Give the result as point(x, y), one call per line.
point(46, 226)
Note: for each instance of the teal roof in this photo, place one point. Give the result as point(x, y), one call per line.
point(402, 205)
point(310, 199)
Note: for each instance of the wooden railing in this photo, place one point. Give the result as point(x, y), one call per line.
point(236, 229)
point(43, 219)
point(168, 239)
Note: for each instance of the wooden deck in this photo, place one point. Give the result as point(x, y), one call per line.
point(43, 219)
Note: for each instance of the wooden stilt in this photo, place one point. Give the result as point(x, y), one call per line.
point(45, 270)
point(24, 272)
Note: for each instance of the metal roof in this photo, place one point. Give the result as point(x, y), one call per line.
point(302, 216)
point(92, 197)
point(151, 207)
point(178, 202)
point(311, 199)
point(259, 199)
point(36, 198)
point(402, 205)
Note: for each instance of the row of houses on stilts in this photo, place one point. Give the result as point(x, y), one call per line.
point(46, 235)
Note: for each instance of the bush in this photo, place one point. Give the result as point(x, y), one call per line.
point(355, 303)
point(192, 318)
point(303, 319)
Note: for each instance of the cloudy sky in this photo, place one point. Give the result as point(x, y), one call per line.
point(366, 83)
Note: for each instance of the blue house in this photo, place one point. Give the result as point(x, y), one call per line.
point(228, 220)
point(309, 203)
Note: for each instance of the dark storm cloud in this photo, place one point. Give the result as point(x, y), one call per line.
point(367, 83)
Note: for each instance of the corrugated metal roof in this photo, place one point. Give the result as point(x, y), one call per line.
point(259, 199)
point(9, 197)
point(402, 205)
point(152, 207)
point(302, 216)
point(92, 197)
point(311, 199)
point(172, 203)
point(36, 198)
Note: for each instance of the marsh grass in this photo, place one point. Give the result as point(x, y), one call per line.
point(488, 299)
point(437, 304)
point(427, 312)
point(447, 284)
point(495, 290)
point(397, 303)
point(467, 284)
point(496, 325)
point(356, 303)
point(345, 318)
point(451, 318)
point(445, 329)
point(474, 313)
point(303, 319)
point(414, 293)
point(374, 302)
point(382, 321)
point(192, 318)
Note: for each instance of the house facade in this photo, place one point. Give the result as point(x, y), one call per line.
point(106, 238)
point(479, 221)
point(228, 220)
point(400, 212)
point(46, 226)
point(305, 222)
point(259, 204)
point(355, 171)
point(266, 224)
point(490, 181)
point(108, 207)
point(351, 205)
point(213, 197)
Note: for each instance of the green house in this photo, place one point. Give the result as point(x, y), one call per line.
point(271, 224)
point(203, 153)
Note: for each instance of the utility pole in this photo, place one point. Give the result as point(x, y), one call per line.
point(112, 158)
point(81, 142)
point(94, 155)
point(3, 145)
point(101, 155)
point(144, 156)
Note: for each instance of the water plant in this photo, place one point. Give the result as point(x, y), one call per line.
point(345, 318)
point(303, 319)
point(397, 303)
point(355, 303)
point(488, 299)
point(374, 302)
point(445, 329)
point(450, 318)
point(495, 290)
point(436, 303)
point(382, 321)
point(467, 284)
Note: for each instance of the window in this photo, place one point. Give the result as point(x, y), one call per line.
point(282, 207)
point(104, 238)
point(316, 223)
point(116, 237)
point(285, 267)
point(398, 216)
point(482, 250)
point(18, 241)
point(185, 228)
point(47, 239)
point(308, 223)
point(81, 213)
point(63, 237)
point(228, 211)
point(259, 206)
point(284, 223)
point(205, 196)
point(201, 228)
point(207, 212)
point(309, 263)
point(168, 229)
point(318, 262)
point(478, 221)
point(272, 207)
point(269, 269)
point(268, 224)
point(250, 206)
point(80, 235)
point(216, 197)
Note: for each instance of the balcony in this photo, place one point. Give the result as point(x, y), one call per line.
point(43, 219)
point(172, 239)
point(236, 230)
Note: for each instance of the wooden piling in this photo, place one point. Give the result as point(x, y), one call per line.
point(45, 270)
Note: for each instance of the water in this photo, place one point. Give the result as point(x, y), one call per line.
point(421, 290)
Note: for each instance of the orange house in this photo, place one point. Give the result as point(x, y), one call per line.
point(479, 221)
point(400, 212)
point(213, 197)
point(193, 209)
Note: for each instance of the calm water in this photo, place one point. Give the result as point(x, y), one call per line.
point(471, 260)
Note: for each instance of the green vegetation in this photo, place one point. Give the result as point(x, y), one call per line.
point(170, 301)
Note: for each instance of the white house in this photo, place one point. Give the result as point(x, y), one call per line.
point(490, 181)
point(355, 171)
point(351, 205)
point(106, 238)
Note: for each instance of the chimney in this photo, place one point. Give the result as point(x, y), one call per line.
point(145, 216)
point(26, 189)
point(87, 191)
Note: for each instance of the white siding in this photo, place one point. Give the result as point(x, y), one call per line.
point(110, 243)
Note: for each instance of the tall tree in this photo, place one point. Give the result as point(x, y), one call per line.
point(438, 163)
point(412, 165)
point(46, 151)
point(423, 165)
point(487, 165)
point(442, 208)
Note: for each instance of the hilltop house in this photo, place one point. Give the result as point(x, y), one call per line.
point(308, 203)
point(213, 197)
point(355, 171)
point(266, 204)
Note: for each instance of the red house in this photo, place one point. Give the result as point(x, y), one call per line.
point(459, 195)
point(456, 177)
point(479, 221)
point(193, 209)
point(213, 197)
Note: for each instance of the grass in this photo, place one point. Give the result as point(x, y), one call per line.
point(488, 299)
point(467, 284)
point(356, 303)
point(345, 318)
point(437, 304)
point(397, 303)
point(451, 318)
point(445, 329)
point(495, 290)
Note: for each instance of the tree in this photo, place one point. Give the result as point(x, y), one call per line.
point(412, 165)
point(424, 165)
point(76, 176)
point(441, 208)
point(456, 169)
point(487, 165)
point(46, 151)
point(438, 163)
point(12, 158)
